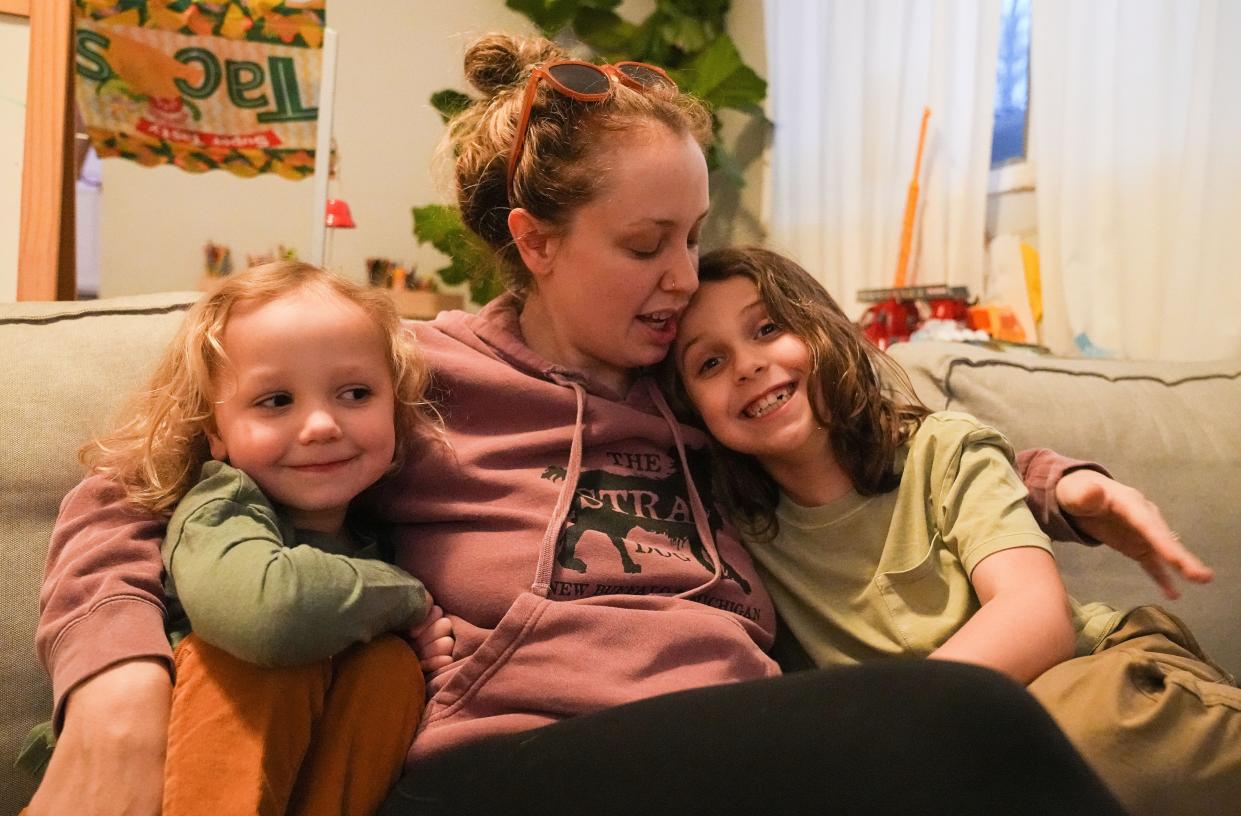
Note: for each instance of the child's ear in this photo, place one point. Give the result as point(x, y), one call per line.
point(219, 450)
point(535, 240)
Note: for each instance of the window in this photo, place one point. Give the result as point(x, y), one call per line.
point(1012, 85)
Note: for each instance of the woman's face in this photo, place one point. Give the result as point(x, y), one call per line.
point(622, 271)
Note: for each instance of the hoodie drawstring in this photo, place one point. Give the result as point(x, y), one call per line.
point(547, 549)
point(695, 501)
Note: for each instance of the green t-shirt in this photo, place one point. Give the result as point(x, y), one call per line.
point(866, 577)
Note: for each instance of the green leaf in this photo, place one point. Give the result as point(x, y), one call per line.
point(434, 223)
point(713, 65)
point(469, 258)
point(605, 31)
point(743, 89)
point(649, 45)
point(718, 75)
point(684, 32)
point(549, 15)
point(449, 103)
point(485, 290)
point(711, 12)
point(597, 5)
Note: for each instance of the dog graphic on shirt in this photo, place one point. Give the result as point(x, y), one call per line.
point(617, 504)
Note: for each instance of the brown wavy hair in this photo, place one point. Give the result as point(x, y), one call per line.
point(157, 452)
point(564, 161)
point(861, 395)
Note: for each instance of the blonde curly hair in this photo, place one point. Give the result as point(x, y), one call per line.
point(156, 453)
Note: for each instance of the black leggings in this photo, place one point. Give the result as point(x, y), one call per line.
point(920, 737)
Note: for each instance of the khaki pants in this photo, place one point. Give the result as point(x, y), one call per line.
point(324, 738)
point(1154, 717)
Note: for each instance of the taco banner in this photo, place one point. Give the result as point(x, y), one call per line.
point(200, 85)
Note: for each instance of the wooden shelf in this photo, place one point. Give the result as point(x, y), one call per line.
point(418, 305)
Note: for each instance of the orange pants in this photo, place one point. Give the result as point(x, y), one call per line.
point(324, 738)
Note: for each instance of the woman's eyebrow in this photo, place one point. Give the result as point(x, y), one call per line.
point(665, 222)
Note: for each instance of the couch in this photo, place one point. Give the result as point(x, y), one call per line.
point(1172, 430)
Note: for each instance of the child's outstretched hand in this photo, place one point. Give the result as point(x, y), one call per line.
point(1128, 522)
point(432, 639)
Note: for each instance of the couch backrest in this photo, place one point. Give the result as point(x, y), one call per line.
point(1172, 430)
point(64, 368)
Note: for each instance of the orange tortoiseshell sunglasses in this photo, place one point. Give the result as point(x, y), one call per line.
point(585, 82)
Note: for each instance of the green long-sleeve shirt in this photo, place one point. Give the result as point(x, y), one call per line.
point(250, 584)
point(244, 580)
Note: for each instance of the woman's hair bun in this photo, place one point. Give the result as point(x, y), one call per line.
point(496, 62)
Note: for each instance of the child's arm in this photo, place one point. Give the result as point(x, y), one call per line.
point(1023, 627)
point(249, 594)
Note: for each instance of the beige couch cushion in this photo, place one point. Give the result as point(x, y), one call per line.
point(63, 369)
point(1173, 430)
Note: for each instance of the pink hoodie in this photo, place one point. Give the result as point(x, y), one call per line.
point(574, 572)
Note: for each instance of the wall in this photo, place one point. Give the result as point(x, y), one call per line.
point(393, 55)
point(14, 56)
point(737, 215)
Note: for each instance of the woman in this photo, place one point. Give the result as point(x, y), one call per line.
point(593, 590)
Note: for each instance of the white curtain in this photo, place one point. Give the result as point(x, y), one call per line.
point(847, 83)
point(1136, 143)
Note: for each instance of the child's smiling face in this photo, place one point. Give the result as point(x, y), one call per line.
point(748, 377)
point(305, 405)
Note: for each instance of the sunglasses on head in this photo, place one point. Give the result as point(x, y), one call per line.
point(585, 82)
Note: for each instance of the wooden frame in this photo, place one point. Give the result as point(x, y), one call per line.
point(45, 256)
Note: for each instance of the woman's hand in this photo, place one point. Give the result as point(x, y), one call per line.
point(109, 758)
point(1125, 520)
point(432, 639)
